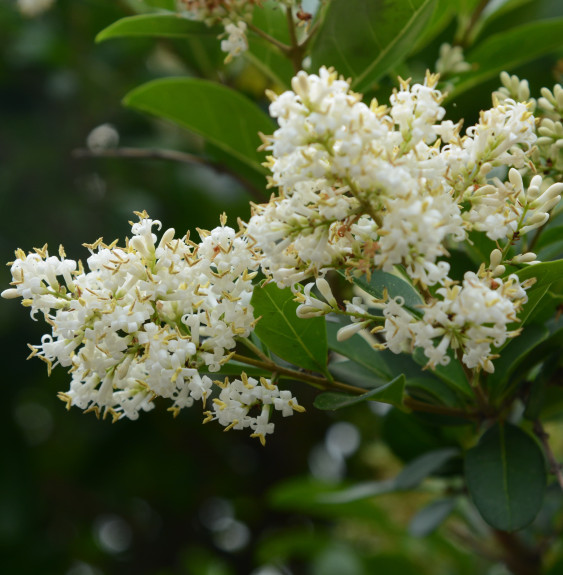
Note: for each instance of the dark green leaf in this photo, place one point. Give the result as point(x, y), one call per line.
point(515, 353)
point(153, 25)
point(433, 390)
point(428, 519)
point(507, 50)
point(391, 393)
point(224, 117)
point(506, 477)
point(452, 374)
point(302, 342)
point(364, 40)
point(383, 363)
point(355, 374)
point(408, 437)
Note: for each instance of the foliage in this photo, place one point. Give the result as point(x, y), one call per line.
point(401, 262)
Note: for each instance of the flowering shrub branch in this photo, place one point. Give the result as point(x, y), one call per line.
point(429, 224)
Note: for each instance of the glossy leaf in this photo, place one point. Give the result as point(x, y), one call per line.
point(429, 518)
point(507, 50)
point(364, 40)
point(224, 117)
point(506, 477)
point(391, 393)
point(299, 341)
point(153, 25)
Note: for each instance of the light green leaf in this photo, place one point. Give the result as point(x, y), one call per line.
point(506, 477)
point(364, 40)
point(391, 393)
point(226, 118)
point(410, 477)
point(153, 25)
point(424, 466)
point(300, 341)
point(507, 50)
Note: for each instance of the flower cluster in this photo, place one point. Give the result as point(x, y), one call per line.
point(362, 188)
point(233, 15)
point(148, 320)
point(470, 318)
point(376, 187)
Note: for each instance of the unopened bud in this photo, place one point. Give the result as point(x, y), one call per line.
point(324, 287)
point(526, 258)
point(348, 331)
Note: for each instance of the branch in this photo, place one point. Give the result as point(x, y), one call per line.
point(169, 155)
point(314, 380)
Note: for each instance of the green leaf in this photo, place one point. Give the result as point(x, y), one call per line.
point(545, 273)
point(392, 393)
point(452, 374)
point(424, 466)
point(153, 25)
point(226, 118)
point(432, 390)
point(395, 286)
point(364, 40)
point(300, 341)
point(383, 363)
point(428, 519)
point(515, 354)
point(270, 18)
point(355, 374)
point(507, 50)
point(410, 477)
point(506, 477)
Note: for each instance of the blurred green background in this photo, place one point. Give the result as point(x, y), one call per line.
point(160, 495)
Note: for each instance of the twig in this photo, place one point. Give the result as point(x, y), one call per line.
point(274, 41)
point(168, 155)
point(465, 38)
point(314, 380)
point(543, 436)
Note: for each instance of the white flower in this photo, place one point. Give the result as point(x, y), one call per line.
point(236, 41)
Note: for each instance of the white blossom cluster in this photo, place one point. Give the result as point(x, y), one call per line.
point(239, 396)
point(146, 320)
point(402, 185)
point(233, 15)
point(472, 318)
